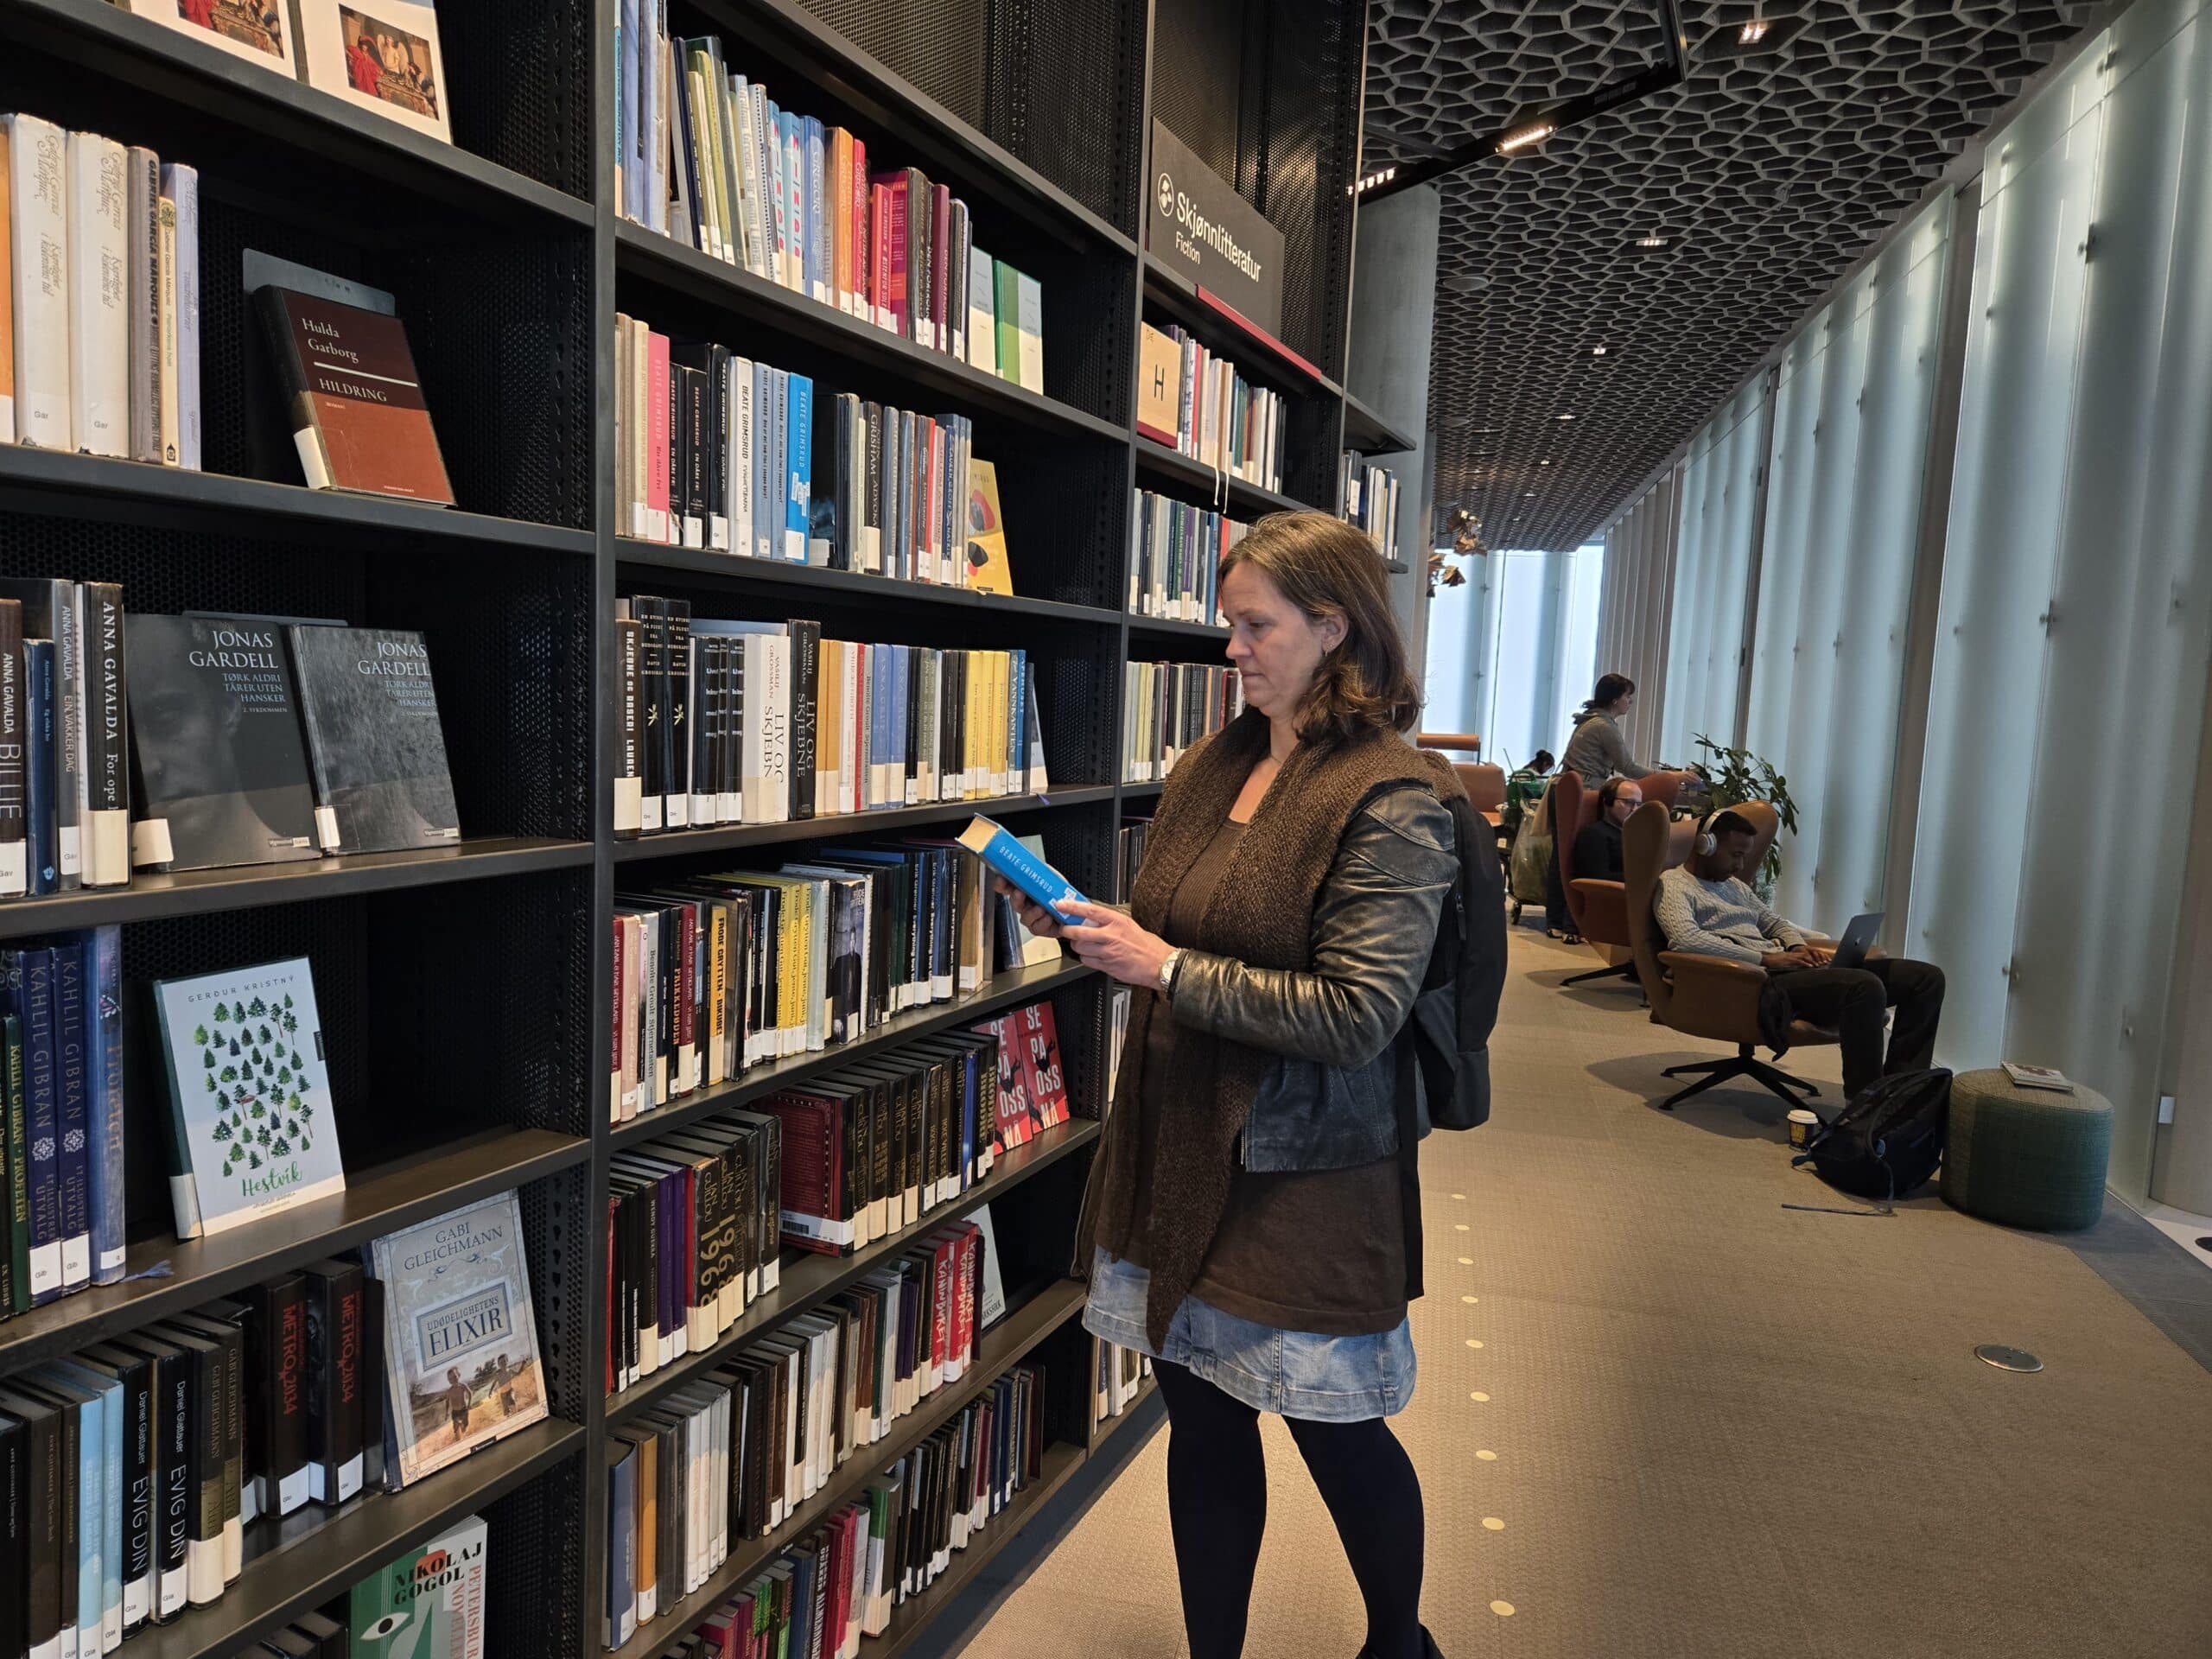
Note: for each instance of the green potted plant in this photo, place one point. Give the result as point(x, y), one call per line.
point(1733, 775)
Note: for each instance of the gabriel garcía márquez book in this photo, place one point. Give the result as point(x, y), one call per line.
point(460, 1343)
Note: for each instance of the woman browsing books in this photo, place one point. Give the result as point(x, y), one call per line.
point(1246, 1221)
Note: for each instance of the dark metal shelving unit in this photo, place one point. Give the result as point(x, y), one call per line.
point(465, 990)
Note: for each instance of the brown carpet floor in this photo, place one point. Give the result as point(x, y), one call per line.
point(1659, 1415)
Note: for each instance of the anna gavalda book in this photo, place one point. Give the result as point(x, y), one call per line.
point(355, 405)
point(460, 1341)
point(378, 752)
point(216, 730)
point(251, 1128)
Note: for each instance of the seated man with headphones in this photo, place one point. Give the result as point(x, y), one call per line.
point(1704, 905)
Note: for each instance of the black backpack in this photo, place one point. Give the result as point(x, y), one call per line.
point(1888, 1142)
point(1447, 1034)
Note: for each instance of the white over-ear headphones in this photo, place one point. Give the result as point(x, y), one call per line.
point(1707, 841)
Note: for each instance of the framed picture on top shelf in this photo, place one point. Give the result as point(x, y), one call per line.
point(380, 55)
point(256, 30)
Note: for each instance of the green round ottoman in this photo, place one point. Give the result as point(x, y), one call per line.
point(2025, 1157)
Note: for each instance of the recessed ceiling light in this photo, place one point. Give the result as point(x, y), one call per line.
point(1651, 239)
point(1753, 32)
point(1567, 417)
point(1597, 351)
point(1543, 463)
point(1525, 138)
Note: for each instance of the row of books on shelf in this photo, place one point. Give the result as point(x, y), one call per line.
point(205, 740)
point(1370, 501)
point(99, 296)
point(726, 721)
point(718, 451)
point(1192, 398)
point(1129, 842)
point(1117, 1375)
point(736, 1454)
point(1167, 707)
point(138, 1467)
point(707, 157)
point(1175, 554)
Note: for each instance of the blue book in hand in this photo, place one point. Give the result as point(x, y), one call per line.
point(1029, 873)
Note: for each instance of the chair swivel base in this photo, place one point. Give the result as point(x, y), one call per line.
point(1744, 1063)
point(1624, 971)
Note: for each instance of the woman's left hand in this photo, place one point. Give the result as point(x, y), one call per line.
point(1112, 943)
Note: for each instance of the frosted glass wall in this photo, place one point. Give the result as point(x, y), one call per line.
point(1836, 575)
point(1581, 575)
point(2075, 623)
point(1713, 568)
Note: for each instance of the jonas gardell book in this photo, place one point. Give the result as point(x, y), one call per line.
point(251, 1128)
point(379, 753)
point(356, 408)
point(215, 727)
point(462, 1368)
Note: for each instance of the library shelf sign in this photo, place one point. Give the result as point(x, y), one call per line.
point(1211, 235)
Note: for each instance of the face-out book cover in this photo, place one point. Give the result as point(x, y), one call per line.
point(374, 739)
point(215, 726)
point(429, 1604)
point(460, 1341)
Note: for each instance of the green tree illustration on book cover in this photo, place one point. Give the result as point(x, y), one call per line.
point(250, 1097)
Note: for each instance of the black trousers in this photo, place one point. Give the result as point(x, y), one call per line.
point(1851, 1001)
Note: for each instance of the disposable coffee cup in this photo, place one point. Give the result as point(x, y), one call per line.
point(1801, 1125)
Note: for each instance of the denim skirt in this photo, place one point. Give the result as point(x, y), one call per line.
point(1291, 1373)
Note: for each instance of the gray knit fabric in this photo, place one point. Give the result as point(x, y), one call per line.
point(1719, 919)
point(1598, 751)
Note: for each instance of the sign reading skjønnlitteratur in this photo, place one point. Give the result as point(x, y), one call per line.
point(1211, 234)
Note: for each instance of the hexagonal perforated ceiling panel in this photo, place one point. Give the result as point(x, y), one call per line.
point(1766, 174)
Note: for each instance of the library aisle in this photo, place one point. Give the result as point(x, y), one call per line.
point(1660, 1414)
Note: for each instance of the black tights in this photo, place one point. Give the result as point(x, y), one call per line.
point(1217, 1506)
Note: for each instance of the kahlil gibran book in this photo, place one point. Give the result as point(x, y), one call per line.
point(460, 1343)
point(356, 408)
point(251, 1128)
point(381, 783)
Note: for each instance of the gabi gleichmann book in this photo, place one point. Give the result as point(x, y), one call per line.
point(461, 1367)
point(251, 1127)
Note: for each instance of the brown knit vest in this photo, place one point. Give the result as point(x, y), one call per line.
point(1260, 914)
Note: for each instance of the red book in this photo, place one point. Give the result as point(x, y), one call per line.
point(890, 262)
point(941, 266)
point(657, 437)
point(354, 404)
point(941, 1311)
point(1049, 1102)
point(686, 993)
point(614, 1050)
point(971, 1240)
point(1013, 1084)
point(857, 207)
point(813, 1175)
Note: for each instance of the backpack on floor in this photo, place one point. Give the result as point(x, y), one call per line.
point(1887, 1142)
point(1448, 1031)
point(1532, 851)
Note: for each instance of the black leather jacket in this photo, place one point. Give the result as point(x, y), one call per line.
point(1328, 1102)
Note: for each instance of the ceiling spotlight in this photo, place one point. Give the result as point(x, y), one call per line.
point(1543, 463)
point(1567, 417)
point(1753, 32)
point(1525, 138)
point(1597, 351)
point(1651, 239)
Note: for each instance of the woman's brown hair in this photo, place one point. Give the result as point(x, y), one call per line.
point(1326, 568)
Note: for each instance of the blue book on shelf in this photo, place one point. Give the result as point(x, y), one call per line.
point(29, 977)
point(74, 1115)
point(765, 522)
point(902, 712)
point(779, 478)
point(88, 1408)
point(818, 215)
point(107, 1534)
point(1003, 855)
point(879, 726)
point(799, 461)
point(103, 949)
point(1017, 734)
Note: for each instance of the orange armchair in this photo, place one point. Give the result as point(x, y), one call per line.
point(1596, 903)
point(1466, 742)
point(1699, 995)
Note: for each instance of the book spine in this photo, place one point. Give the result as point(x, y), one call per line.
point(165, 338)
point(99, 331)
point(676, 804)
point(15, 739)
point(40, 829)
point(39, 208)
point(145, 300)
point(629, 780)
point(72, 792)
point(806, 670)
point(103, 1039)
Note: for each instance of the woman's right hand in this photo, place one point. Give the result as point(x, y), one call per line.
point(1035, 917)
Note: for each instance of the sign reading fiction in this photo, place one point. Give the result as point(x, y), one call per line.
point(1213, 236)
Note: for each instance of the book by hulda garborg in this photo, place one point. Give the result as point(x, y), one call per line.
point(381, 782)
point(460, 1341)
point(251, 1127)
point(426, 1604)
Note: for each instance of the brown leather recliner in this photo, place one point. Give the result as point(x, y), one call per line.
point(1466, 742)
point(1664, 787)
point(1600, 912)
point(1699, 995)
point(1485, 787)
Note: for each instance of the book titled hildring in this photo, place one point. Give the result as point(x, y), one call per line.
point(357, 410)
point(1008, 857)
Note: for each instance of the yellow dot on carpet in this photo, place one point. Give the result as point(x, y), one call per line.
point(1458, 1226)
point(1502, 1609)
point(1470, 1301)
point(1467, 1261)
point(1487, 1457)
point(1493, 1523)
point(1479, 1396)
point(1460, 1196)
point(1471, 1343)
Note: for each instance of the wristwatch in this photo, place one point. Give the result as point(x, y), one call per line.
point(1168, 964)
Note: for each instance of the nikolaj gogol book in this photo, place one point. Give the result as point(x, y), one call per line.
point(429, 1604)
point(251, 1127)
point(215, 727)
point(379, 751)
point(462, 1368)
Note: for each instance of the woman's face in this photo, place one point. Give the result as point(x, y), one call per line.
point(1275, 647)
point(1625, 702)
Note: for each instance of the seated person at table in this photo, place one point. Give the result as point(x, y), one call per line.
point(1597, 846)
point(1523, 789)
point(1703, 906)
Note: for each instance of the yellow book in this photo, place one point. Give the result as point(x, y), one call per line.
point(984, 568)
point(829, 730)
point(971, 729)
point(648, 1554)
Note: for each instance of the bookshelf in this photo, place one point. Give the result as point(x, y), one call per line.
point(464, 991)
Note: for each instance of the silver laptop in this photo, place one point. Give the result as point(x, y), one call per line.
point(1858, 938)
